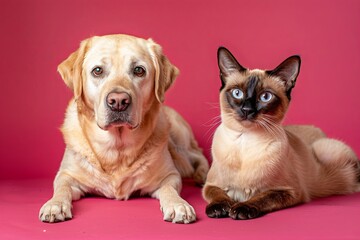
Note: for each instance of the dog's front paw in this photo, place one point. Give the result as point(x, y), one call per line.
point(242, 211)
point(181, 212)
point(55, 211)
point(200, 175)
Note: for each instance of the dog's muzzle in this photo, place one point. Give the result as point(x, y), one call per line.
point(118, 110)
point(118, 101)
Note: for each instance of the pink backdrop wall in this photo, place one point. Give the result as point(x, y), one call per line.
point(37, 35)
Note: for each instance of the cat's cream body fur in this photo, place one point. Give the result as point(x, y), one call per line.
point(258, 165)
point(249, 162)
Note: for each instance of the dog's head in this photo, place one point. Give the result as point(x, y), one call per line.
point(117, 78)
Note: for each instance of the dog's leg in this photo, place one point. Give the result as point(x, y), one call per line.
point(174, 208)
point(200, 163)
point(190, 160)
point(180, 159)
point(58, 208)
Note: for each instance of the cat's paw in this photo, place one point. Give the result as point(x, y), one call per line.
point(218, 209)
point(242, 211)
point(55, 211)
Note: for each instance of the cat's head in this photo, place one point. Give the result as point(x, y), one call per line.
point(255, 98)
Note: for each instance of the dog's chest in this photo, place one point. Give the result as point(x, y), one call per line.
point(120, 188)
point(119, 183)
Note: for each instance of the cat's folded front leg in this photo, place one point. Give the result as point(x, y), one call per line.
point(242, 211)
point(263, 203)
point(219, 202)
point(218, 209)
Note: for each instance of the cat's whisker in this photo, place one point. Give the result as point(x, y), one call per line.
point(215, 105)
point(276, 130)
point(212, 124)
point(271, 126)
point(212, 121)
point(267, 127)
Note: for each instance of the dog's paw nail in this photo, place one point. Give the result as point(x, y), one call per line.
point(180, 213)
point(55, 211)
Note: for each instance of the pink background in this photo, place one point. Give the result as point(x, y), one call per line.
point(36, 35)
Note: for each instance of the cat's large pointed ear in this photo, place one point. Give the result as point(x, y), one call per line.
point(227, 63)
point(288, 72)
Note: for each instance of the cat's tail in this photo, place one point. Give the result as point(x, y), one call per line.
point(357, 173)
point(339, 168)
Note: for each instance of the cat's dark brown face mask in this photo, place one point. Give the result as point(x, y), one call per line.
point(255, 96)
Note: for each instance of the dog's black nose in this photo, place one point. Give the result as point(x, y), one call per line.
point(118, 101)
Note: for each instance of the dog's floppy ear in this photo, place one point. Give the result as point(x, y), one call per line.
point(165, 72)
point(71, 69)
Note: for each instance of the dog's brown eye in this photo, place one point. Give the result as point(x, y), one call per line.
point(139, 71)
point(97, 71)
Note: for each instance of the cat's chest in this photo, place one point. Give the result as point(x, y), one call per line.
point(244, 164)
point(239, 151)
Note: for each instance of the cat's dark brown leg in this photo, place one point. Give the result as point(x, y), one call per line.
point(263, 203)
point(219, 202)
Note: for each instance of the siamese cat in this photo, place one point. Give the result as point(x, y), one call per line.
point(260, 166)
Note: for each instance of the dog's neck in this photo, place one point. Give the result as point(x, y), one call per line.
point(122, 142)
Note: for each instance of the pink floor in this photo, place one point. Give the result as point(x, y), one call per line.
point(98, 218)
point(36, 35)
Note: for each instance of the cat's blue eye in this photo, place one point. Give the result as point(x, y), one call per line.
point(266, 97)
point(237, 93)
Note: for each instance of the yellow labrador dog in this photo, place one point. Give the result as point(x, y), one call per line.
point(119, 137)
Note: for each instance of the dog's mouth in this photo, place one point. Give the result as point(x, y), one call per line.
point(117, 120)
point(128, 125)
point(117, 124)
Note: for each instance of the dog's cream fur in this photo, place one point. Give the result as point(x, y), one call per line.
point(146, 153)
